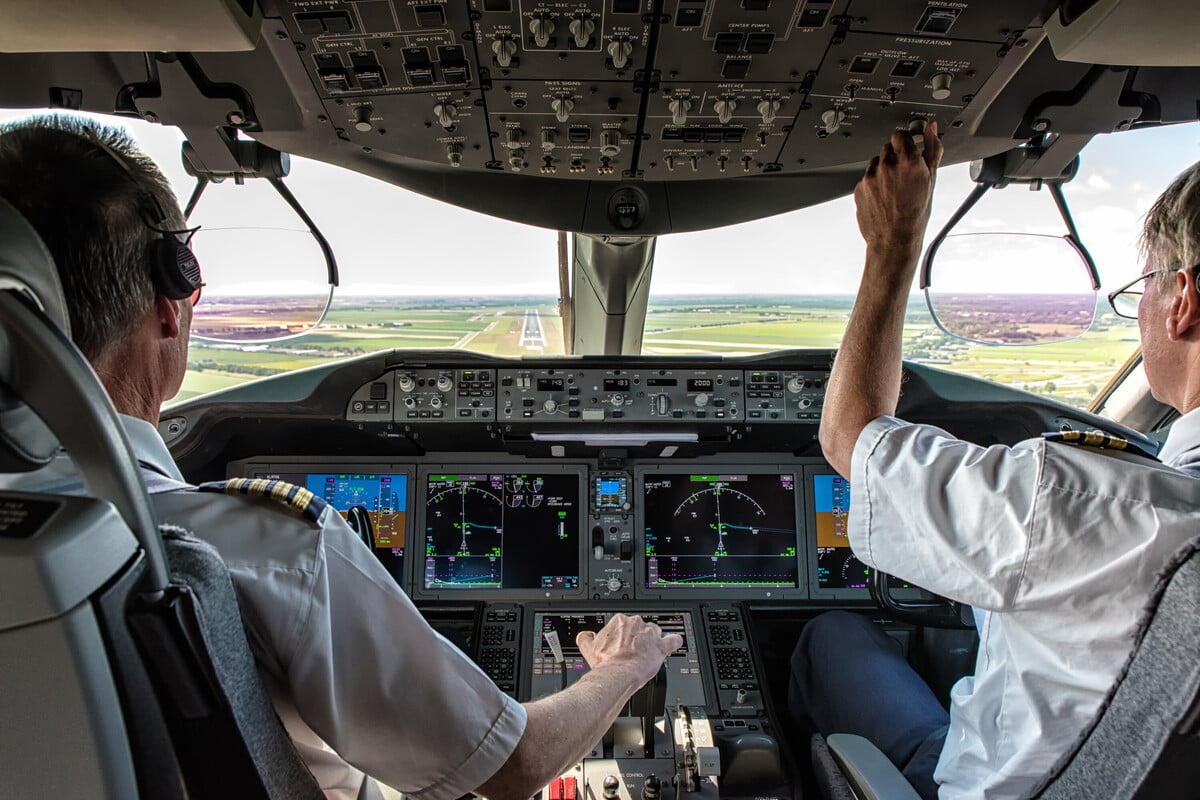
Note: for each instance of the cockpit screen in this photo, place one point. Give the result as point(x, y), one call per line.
point(837, 568)
point(382, 497)
point(720, 530)
point(502, 531)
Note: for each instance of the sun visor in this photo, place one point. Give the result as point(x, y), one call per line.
point(1133, 33)
point(119, 26)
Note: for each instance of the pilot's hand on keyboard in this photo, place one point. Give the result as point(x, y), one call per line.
point(630, 643)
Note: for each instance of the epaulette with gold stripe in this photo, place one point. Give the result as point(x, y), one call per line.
point(1098, 439)
point(308, 504)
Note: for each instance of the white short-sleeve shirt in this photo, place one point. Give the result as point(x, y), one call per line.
point(1059, 544)
point(361, 682)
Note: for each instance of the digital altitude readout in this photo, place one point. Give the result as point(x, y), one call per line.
point(502, 531)
point(837, 568)
point(700, 384)
point(720, 530)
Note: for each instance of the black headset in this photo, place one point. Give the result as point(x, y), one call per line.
point(174, 268)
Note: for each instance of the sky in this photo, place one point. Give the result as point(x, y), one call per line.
point(389, 240)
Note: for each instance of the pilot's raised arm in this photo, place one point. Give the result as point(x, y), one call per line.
point(361, 681)
point(1061, 544)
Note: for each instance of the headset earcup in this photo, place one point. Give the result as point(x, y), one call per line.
point(174, 268)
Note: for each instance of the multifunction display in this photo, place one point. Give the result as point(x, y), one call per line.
point(502, 531)
point(720, 530)
point(380, 498)
point(837, 568)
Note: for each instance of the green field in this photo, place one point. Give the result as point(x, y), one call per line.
point(1069, 371)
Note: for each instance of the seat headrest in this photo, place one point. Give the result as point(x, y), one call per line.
point(26, 265)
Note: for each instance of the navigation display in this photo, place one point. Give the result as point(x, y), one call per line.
point(383, 497)
point(837, 568)
point(502, 531)
point(720, 530)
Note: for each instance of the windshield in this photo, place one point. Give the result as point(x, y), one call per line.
point(417, 273)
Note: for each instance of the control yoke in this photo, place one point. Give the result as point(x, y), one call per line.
point(360, 520)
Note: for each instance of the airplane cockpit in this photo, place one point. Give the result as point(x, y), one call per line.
point(522, 493)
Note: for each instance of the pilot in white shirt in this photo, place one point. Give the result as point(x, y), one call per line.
point(358, 678)
point(1060, 545)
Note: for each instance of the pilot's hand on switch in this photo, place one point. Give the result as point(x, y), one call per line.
point(894, 195)
point(629, 643)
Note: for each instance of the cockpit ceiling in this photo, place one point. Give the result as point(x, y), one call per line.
point(618, 116)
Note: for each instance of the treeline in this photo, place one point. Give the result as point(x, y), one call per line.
point(238, 369)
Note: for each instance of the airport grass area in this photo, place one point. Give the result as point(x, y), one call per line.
point(1070, 371)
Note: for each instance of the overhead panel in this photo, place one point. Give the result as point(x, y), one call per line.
point(732, 78)
point(563, 99)
point(397, 77)
point(609, 91)
point(899, 65)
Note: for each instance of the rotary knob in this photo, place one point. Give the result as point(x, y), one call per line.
point(701, 400)
point(362, 119)
point(446, 113)
point(550, 406)
point(619, 49)
point(541, 26)
point(805, 402)
point(582, 29)
point(832, 119)
point(614, 584)
point(610, 143)
point(454, 154)
point(768, 109)
point(410, 402)
point(563, 106)
point(406, 383)
point(611, 787)
point(724, 108)
point(940, 85)
point(445, 383)
point(504, 49)
point(617, 400)
point(794, 385)
point(435, 401)
point(514, 138)
point(680, 106)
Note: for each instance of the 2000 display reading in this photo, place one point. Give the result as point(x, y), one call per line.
point(720, 530)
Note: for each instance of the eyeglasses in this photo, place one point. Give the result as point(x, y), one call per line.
point(1125, 301)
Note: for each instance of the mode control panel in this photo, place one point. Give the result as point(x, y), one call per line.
point(635, 395)
point(567, 394)
point(785, 395)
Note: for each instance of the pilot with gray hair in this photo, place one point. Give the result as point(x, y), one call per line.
point(364, 686)
point(1056, 546)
